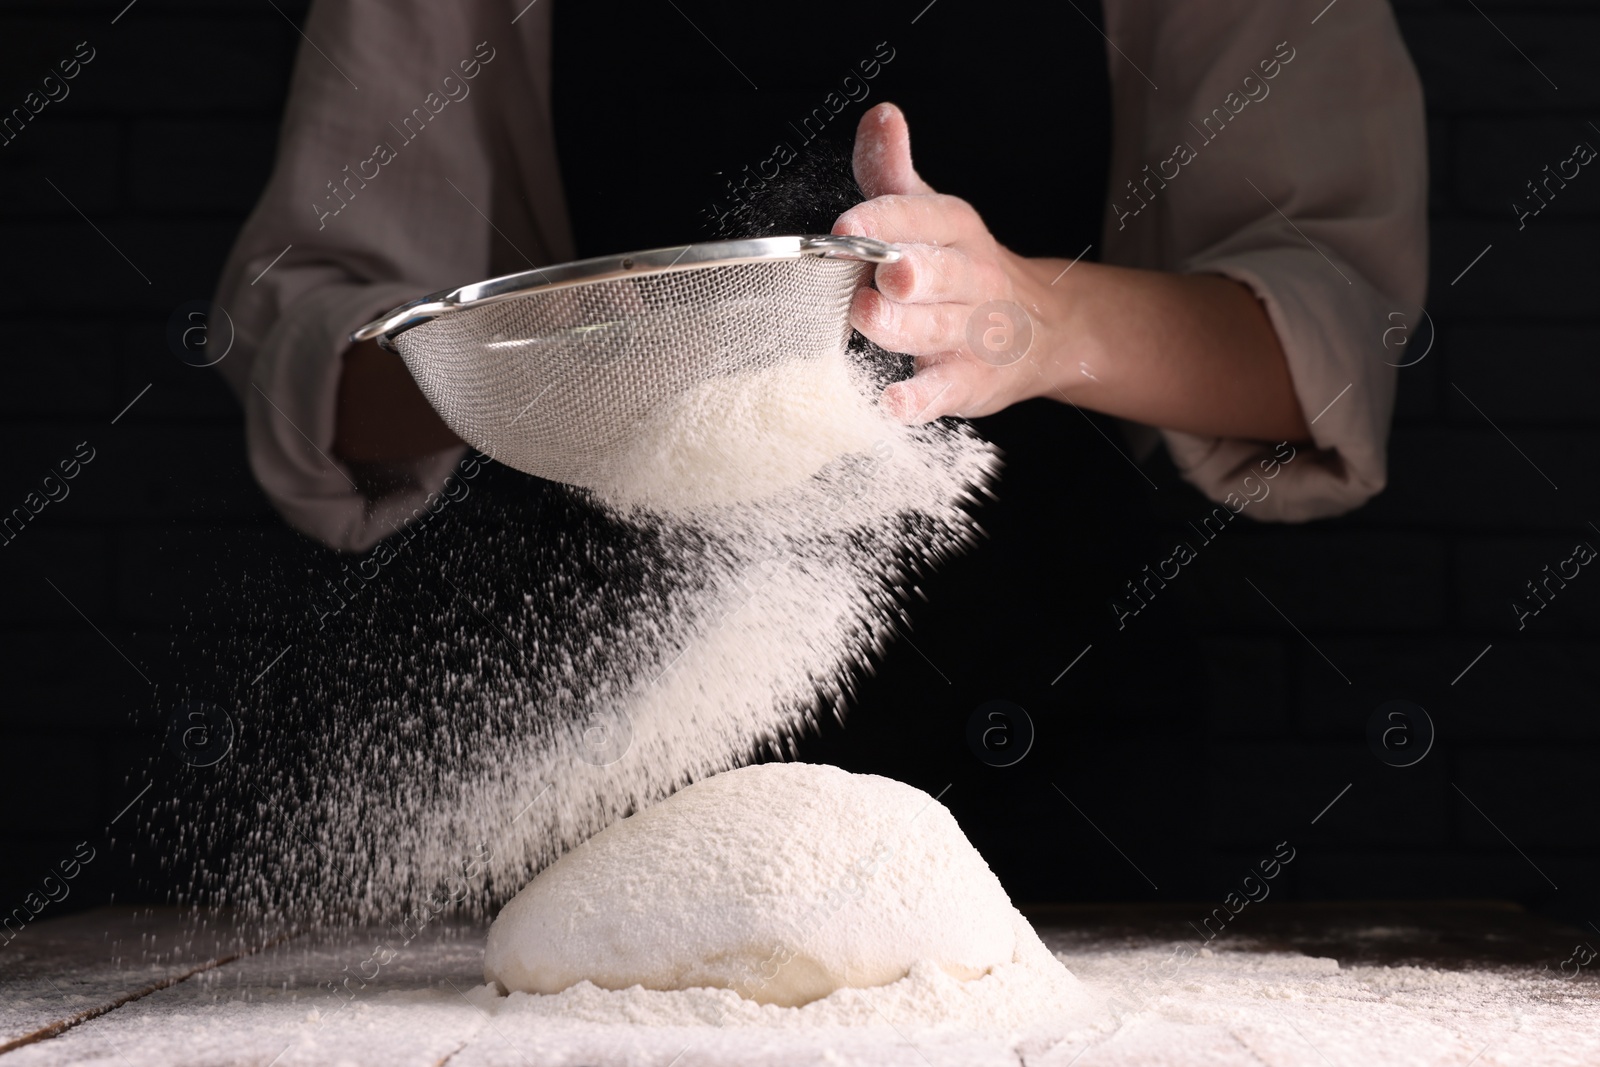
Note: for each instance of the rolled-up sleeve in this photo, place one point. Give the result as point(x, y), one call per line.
point(1308, 186)
point(392, 161)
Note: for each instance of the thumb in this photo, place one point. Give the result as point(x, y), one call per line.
point(882, 160)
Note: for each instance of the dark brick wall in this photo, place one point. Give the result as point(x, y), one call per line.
point(166, 139)
point(1404, 594)
point(163, 142)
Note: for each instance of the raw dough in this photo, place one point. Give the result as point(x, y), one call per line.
point(783, 882)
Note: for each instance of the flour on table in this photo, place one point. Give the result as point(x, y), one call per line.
point(1238, 1007)
point(776, 894)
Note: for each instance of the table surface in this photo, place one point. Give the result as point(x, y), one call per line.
point(137, 985)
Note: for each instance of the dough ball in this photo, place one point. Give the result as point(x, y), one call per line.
point(783, 882)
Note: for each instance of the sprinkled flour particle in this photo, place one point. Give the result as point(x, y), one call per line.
point(746, 436)
point(704, 610)
point(543, 661)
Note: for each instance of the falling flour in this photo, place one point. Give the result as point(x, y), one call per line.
point(697, 611)
point(746, 436)
point(785, 884)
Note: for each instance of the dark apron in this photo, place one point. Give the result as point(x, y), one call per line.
point(1008, 106)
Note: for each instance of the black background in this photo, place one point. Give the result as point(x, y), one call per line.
point(164, 144)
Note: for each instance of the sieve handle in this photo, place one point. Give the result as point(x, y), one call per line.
point(631, 265)
point(849, 246)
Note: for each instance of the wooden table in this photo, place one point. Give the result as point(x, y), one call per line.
point(130, 986)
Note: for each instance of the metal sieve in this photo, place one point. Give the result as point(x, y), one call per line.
point(552, 370)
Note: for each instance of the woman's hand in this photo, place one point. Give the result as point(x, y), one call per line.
point(955, 298)
point(989, 328)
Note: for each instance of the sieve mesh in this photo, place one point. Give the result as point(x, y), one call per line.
point(556, 383)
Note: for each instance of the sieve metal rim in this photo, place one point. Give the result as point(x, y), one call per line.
point(652, 261)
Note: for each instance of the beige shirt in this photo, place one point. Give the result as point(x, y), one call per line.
point(417, 154)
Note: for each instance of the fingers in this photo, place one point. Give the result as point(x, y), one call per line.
point(952, 383)
point(923, 302)
point(882, 160)
point(927, 219)
point(934, 392)
point(915, 329)
point(900, 206)
point(928, 274)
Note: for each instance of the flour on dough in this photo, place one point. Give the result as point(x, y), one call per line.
point(783, 882)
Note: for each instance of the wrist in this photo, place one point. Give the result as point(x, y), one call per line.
point(1047, 291)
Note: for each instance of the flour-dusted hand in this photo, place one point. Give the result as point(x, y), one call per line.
point(989, 328)
point(956, 298)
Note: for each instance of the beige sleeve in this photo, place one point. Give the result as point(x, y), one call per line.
point(1309, 187)
point(392, 161)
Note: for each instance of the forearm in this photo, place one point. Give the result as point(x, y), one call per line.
point(1189, 352)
